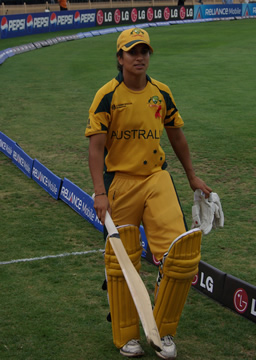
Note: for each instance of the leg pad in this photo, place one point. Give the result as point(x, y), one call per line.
point(180, 265)
point(124, 316)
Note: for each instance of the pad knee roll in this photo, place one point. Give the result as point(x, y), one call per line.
point(179, 268)
point(124, 316)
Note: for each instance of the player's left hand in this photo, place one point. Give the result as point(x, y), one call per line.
point(197, 183)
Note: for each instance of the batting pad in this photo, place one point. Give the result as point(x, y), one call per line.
point(124, 316)
point(180, 265)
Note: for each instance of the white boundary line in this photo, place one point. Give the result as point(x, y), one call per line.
point(51, 256)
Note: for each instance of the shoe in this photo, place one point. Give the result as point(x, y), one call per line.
point(132, 349)
point(169, 351)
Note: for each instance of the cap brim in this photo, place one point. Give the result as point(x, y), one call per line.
point(133, 43)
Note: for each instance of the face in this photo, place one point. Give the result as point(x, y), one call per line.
point(136, 60)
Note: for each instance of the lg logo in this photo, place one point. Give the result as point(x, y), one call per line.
point(206, 283)
point(241, 300)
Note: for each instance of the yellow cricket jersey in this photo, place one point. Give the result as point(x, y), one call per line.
point(134, 122)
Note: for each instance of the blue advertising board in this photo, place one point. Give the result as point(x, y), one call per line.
point(249, 10)
point(79, 201)
point(6, 145)
point(22, 160)
point(217, 11)
point(46, 179)
point(28, 24)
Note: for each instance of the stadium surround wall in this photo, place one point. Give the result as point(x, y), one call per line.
point(231, 292)
point(47, 22)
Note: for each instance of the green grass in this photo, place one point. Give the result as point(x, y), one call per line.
point(54, 309)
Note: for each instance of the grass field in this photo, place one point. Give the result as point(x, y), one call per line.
point(54, 309)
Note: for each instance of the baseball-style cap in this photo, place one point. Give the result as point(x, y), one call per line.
point(132, 37)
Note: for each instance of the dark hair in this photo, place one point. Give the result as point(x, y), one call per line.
point(119, 54)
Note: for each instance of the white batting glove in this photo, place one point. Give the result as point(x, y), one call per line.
point(218, 221)
point(207, 213)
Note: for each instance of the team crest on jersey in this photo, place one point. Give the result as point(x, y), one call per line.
point(155, 102)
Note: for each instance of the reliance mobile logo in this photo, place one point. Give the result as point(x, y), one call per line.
point(78, 204)
point(21, 161)
point(42, 178)
point(5, 147)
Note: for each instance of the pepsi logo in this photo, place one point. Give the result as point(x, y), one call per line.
point(77, 18)
point(4, 26)
point(53, 20)
point(30, 23)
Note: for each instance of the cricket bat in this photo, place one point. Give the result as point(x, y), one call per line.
point(136, 286)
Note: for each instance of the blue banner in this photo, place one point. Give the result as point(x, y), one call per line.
point(249, 10)
point(23, 161)
point(28, 24)
point(46, 179)
point(217, 11)
point(6, 145)
point(79, 201)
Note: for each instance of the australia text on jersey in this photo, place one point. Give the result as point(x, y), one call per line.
point(136, 134)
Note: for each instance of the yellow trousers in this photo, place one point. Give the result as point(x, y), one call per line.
point(150, 200)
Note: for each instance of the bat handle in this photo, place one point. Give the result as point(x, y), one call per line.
point(110, 225)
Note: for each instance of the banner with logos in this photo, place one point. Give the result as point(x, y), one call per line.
point(249, 10)
point(29, 24)
point(22, 160)
point(46, 179)
point(224, 11)
point(6, 145)
point(79, 201)
point(240, 297)
point(218, 11)
point(45, 22)
point(128, 16)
